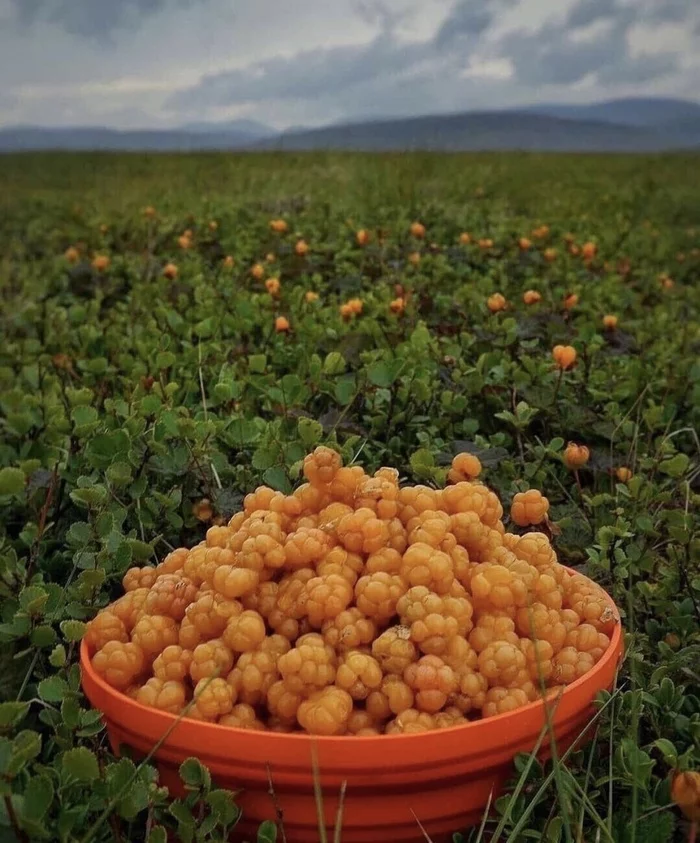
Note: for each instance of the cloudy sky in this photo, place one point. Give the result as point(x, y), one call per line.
point(147, 63)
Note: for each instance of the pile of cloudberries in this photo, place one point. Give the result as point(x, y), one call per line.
point(356, 606)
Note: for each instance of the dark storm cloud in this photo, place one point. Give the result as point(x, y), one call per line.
point(89, 18)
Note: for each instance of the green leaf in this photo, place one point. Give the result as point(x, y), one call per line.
point(53, 689)
point(182, 813)
point(310, 431)
point(80, 764)
point(12, 713)
point(150, 405)
point(43, 636)
point(79, 533)
point(157, 834)
point(32, 599)
point(267, 832)
point(676, 466)
point(12, 481)
point(345, 389)
point(119, 473)
point(194, 774)
point(257, 363)
point(25, 746)
point(73, 630)
point(277, 479)
point(58, 656)
point(223, 806)
point(334, 364)
point(38, 796)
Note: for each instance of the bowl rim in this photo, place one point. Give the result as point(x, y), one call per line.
point(170, 721)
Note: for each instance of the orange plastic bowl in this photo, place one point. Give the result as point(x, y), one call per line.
point(442, 778)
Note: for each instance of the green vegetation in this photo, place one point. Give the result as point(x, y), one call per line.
point(127, 397)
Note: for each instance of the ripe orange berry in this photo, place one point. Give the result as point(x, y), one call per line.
point(485, 243)
point(397, 305)
point(311, 663)
point(588, 250)
point(184, 241)
point(326, 712)
point(322, 465)
point(424, 565)
point(170, 271)
point(496, 302)
point(417, 230)
point(301, 248)
point(570, 301)
point(327, 596)
point(255, 673)
point(524, 244)
point(685, 792)
point(576, 456)
point(472, 686)
point(362, 237)
point(104, 627)
point(492, 627)
point(432, 681)
point(244, 632)
point(139, 578)
point(349, 630)
point(564, 356)
point(310, 296)
point(623, 474)
point(610, 322)
point(129, 608)
point(149, 212)
point(153, 633)
point(232, 582)
point(173, 664)
point(228, 262)
point(414, 258)
point(465, 466)
point(173, 562)
point(590, 603)
point(279, 226)
point(167, 695)
point(71, 254)
point(550, 254)
point(212, 658)
point(170, 595)
point(411, 722)
point(119, 663)
point(570, 664)
point(377, 595)
point(529, 507)
point(465, 238)
point(273, 286)
point(100, 263)
point(242, 716)
point(531, 297)
point(213, 698)
point(503, 700)
point(362, 532)
point(282, 325)
point(359, 674)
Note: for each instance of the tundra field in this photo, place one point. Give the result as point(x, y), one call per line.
point(178, 330)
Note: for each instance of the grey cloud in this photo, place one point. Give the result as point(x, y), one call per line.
point(590, 11)
point(88, 18)
point(465, 19)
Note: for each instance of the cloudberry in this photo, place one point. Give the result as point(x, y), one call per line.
point(170, 595)
point(312, 498)
point(464, 467)
point(685, 792)
point(490, 628)
point(362, 532)
point(119, 664)
point(173, 664)
point(326, 712)
point(564, 356)
point(260, 552)
point(398, 539)
point(203, 562)
point(153, 633)
point(387, 560)
point(479, 539)
point(380, 494)
point(104, 627)
point(244, 632)
point(543, 624)
point(590, 603)
point(377, 594)
point(329, 517)
point(430, 528)
point(212, 658)
point(321, 466)
point(263, 599)
point(283, 703)
point(306, 547)
point(343, 563)
point(358, 674)
point(416, 499)
point(494, 587)
point(292, 595)
point(310, 664)
point(423, 565)
point(210, 613)
point(470, 693)
point(587, 639)
point(328, 596)
point(188, 635)
point(502, 700)
point(576, 456)
point(536, 549)
point(538, 656)
point(500, 662)
point(570, 664)
point(232, 582)
point(346, 482)
point(411, 722)
point(242, 716)
point(253, 675)
point(169, 695)
point(173, 562)
point(459, 653)
point(529, 507)
point(212, 699)
point(139, 578)
point(361, 723)
point(394, 649)
point(348, 630)
point(433, 619)
point(432, 681)
point(449, 718)
point(217, 536)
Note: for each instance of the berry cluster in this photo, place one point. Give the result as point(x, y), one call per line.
point(355, 606)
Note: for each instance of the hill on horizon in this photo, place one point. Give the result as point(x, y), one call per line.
point(624, 125)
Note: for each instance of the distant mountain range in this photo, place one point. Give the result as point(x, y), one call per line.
point(624, 125)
